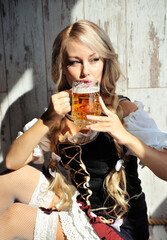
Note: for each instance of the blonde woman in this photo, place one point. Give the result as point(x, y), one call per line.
point(92, 190)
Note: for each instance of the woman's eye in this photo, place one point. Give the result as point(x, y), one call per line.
point(95, 59)
point(69, 63)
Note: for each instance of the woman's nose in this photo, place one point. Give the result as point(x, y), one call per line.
point(85, 70)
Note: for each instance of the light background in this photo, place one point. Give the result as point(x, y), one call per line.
point(138, 30)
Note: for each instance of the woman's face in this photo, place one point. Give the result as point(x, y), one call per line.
point(82, 63)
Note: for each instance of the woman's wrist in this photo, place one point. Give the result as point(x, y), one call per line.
point(49, 120)
point(137, 147)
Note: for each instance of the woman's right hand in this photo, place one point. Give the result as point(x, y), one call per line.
point(59, 106)
point(20, 152)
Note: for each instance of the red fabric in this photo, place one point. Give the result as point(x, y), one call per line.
point(103, 230)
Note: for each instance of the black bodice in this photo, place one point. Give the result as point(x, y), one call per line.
point(90, 163)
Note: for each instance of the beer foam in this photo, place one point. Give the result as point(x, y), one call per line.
point(86, 90)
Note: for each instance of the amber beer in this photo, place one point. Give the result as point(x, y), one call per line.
point(85, 101)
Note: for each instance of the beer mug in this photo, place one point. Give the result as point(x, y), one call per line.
point(85, 101)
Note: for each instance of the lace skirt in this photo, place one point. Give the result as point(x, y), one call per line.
point(75, 223)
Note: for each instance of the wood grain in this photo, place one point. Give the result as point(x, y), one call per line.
point(138, 31)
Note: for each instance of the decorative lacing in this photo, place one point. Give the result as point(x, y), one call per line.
point(71, 159)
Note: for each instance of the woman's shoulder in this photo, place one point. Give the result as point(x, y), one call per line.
point(127, 106)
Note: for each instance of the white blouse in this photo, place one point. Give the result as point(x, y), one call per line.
point(138, 123)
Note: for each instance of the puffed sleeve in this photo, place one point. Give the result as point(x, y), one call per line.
point(43, 146)
point(141, 125)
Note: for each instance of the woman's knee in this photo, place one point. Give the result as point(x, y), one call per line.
point(15, 220)
point(9, 220)
point(21, 183)
point(13, 214)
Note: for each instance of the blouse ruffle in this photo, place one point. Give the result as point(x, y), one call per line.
point(141, 125)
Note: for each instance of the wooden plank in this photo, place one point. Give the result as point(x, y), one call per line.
point(158, 232)
point(146, 43)
point(5, 138)
point(29, 31)
point(155, 102)
point(3, 85)
point(156, 200)
point(57, 15)
point(24, 49)
point(110, 15)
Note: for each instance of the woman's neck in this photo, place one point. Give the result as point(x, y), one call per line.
point(72, 128)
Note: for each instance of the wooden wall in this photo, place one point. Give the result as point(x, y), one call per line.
point(138, 30)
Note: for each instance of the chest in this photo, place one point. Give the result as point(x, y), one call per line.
point(97, 157)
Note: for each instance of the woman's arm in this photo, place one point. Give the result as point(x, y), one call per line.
point(154, 159)
point(20, 152)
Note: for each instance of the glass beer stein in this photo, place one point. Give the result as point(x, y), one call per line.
point(85, 101)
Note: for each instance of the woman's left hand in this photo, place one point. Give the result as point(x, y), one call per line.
point(109, 123)
point(152, 158)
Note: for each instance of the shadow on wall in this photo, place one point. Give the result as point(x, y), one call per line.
point(26, 54)
point(14, 107)
point(159, 213)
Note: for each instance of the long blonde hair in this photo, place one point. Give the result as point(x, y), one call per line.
point(95, 38)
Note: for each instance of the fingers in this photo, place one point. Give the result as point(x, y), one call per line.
point(108, 123)
point(62, 94)
point(104, 127)
point(102, 123)
point(98, 118)
point(61, 97)
point(60, 103)
point(105, 110)
point(69, 91)
point(103, 106)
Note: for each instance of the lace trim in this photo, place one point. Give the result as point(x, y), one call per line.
point(42, 196)
point(46, 226)
point(75, 224)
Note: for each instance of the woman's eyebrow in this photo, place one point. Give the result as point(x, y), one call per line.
point(91, 55)
point(94, 54)
point(73, 57)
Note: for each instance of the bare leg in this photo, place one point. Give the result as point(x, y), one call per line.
point(19, 184)
point(19, 221)
point(60, 234)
